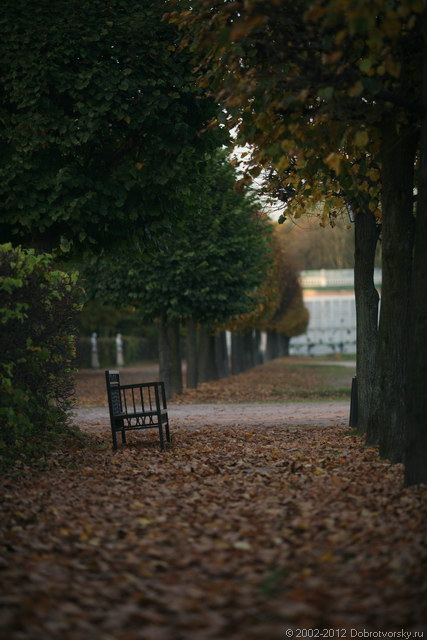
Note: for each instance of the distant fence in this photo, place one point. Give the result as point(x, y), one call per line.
point(135, 349)
point(331, 328)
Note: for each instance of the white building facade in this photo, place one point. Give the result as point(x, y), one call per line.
point(329, 298)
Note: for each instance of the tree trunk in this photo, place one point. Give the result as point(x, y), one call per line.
point(221, 354)
point(258, 354)
point(272, 346)
point(249, 356)
point(283, 342)
point(416, 396)
point(237, 353)
point(192, 368)
point(387, 419)
point(176, 360)
point(165, 359)
point(207, 361)
point(366, 295)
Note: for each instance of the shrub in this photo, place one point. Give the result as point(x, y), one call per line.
point(38, 308)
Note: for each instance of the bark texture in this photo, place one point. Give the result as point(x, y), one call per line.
point(416, 395)
point(237, 352)
point(221, 354)
point(176, 359)
point(283, 343)
point(272, 348)
point(258, 353)
point(387, 420)
point(367, 299)
point(165, 357)
point(191, 354)
point(207, 361)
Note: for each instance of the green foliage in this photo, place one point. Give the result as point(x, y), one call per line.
point(208, 268)
point(108, 320)
point(308, 84)
point(37, 314)
point(100, 117)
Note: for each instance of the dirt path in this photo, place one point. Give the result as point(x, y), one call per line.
point(278, 388)
point(321, 414)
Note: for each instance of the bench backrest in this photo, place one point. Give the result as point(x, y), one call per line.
point(113, 391)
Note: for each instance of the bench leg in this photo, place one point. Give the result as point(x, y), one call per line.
point(168, 437)
point(123, 436)
point(114, 436)
point(162, 442)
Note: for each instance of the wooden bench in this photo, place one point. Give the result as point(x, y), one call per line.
point(136, 406)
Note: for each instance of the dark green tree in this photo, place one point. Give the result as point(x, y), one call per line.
point(38, 308)
point(100, 116)
point(205, 272)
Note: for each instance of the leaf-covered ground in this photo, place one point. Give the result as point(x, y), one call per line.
point(233, 533)
point(285, 379)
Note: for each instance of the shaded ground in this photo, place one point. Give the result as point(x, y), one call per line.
point(232, 534)
point(285, 379)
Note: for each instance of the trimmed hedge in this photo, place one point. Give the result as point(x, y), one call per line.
point(38, 310)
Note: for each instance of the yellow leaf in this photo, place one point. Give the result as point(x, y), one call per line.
point(334, 56)
point(243, 546)
point(303, 95)
point(392, 67)
point(391, 25)
point(95, 542)
point(333, 160)
point(283, 163)
point(355, 90)
point(143, 521)
point(327, 557)
point(361, 138)
point(243, 28)
point(340, 36)
point(315, 13)
point(374, 174)
point(139, 165)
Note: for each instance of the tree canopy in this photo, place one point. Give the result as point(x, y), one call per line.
point(208, 268)
point(308, 84)
point(100, 117)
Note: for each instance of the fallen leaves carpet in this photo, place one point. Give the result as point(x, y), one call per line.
point(283, 379)
point(231, 534)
